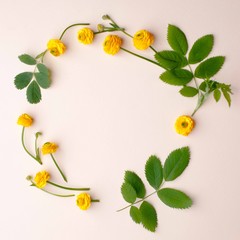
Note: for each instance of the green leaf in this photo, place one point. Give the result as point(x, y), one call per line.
point(177, 77)
point(217, 94)
point(170, 59)
point(33, 93)
point(176, 163)
point(208, 86)
point(135, 214)
point(23, 79)
point(149, 216)
point(154, 172)
point(177, 39)
point(136, 182)
point(27, 59)
point(128, 192)
point(209, 67)
point(201, 49)
point(42, 79)
point(42, 69)
point(226, 96)
point(187, 91)
point(174, 198)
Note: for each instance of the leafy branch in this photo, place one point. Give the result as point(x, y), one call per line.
point(134, 192)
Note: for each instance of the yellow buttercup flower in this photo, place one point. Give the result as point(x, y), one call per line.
point(112, 44)
point(25, 120)
point(49, 148)
point(41, 179)
point(85, 36)
point(56, 47)
point(83, 201)
point(184, 125)
point(143, 39)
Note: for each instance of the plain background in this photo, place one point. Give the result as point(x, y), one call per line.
point(109, 114)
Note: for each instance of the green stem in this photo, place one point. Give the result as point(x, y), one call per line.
point(59, 169)
point(68, 188)
point(73, 25)
point(147, 59)
point(95, 200)
point(23, 144)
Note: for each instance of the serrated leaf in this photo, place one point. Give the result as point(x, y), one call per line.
point(170, 59)
point(128, 192)
point(42, 79)
point(209, 67)
point(136, 182)
point(149, 216)
point(201, 49)
point(177, 39)
point(217, 95)
point(154, 172)
point(135, 214)
point(174, 198)
point(42, 69)
point(176, 163)
point(226, 96)
point(27, 59)
point(33, 93)
point(187, 91)
point(23, 79)
point(208, 86)
point(177, 77)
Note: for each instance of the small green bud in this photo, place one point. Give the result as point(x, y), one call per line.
point(29, 178)
point(100, 27)
point(105, 17)
point(38, 134)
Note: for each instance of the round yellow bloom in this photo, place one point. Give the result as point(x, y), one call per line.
point(85, 36)
point(112, 44)
point(143, 39)
point(25, 120)
point(83, 201)
point(41, 179)
point(56, 47)
point(184, 125)
point(49, 147)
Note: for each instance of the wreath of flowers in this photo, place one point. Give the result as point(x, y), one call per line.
point(188, 68)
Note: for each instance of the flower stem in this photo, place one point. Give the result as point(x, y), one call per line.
point(95, 200)
point(147, 59)
point(59, 169)
point(73, 25)
point(37, 158)
point(68, 188)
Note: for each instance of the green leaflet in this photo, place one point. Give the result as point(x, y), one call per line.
point(201, 49)
point(42, 79)
point(209, 67)
point(170, 59)
point(135, 214)
point(27, 59)
point(148, 216)
point(177, 39)
point(226, 90)
point(136, 182)
point(217, 95)
point(187, 91)
point(34, 93)
point(42, 68)
point(128, 192)
point(176, 163)
point(174, 198)
point(23, 79)
point(154, 172)
point(177, 77)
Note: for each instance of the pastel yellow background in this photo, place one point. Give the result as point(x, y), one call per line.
point(109, 114)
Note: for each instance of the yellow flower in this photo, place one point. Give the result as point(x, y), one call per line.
point(49, 147)
point(83, 201)
point(41, 179)
point(184, 125)
point(25, 120)
point(143, 39)
point(85, 36)
point(56, 47)
point(112, 44)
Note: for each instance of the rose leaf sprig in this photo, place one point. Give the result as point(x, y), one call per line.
point(40, 77)
point(156, 175)
point(41, 179)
